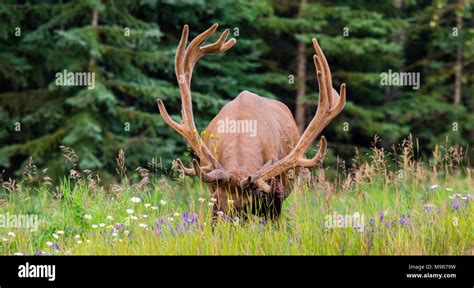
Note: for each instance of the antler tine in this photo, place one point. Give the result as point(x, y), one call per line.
point(326, 71)
point(212, 176)
point(318, 158)
point(184, 169)
point(180, 51)
point(220, 45)
point(194, 52)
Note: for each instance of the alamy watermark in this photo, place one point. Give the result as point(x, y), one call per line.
point(66, 78)
point(336, 220)
point(28, 221)
point(400, 79)
point(247, 126)
point(37, 271)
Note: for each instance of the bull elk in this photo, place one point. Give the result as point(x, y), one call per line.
point(250, 174)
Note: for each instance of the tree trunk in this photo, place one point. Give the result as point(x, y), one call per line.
point(94, 23)
point(301, 78)
point(458, 66)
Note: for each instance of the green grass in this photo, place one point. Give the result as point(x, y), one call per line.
point(444, 230)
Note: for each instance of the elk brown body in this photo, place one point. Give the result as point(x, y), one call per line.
point(249, 171)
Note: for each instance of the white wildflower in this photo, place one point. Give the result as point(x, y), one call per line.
point(135, 200)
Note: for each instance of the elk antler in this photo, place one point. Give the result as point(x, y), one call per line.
point(184, 63)
point(330, 104)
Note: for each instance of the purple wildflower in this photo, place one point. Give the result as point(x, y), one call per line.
point(372, 221)
point(405, 220)
point(381, 216)
point(39, 253)
point(55, 247)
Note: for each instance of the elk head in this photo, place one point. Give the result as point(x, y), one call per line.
point(243, 171)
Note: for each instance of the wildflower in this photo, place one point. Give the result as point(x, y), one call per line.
point(147, 205)
point(405, 220)
point(213, 199)
point(55, 247)
point(163, 202)
point(126, 232)
point(39, 253)
point(154, 208)
point(135, 200)
point(201, 200)
point(142, 225)
point(428, 207)
point(94, 226)
point(176, 214)
point(56, 236)
point(79, 241)
point(60, 232)
point(88, 241)
point(11, 234)
point(171, 219)
point(449, 189)
point(4, 239)
point(115, 234)
point(110, 218)
point(19, 254)
point(77, 236)
point(230, 201)
point(381, 216)
point(236, 221)
point(49, 243)
point(88, 216)
point(102, 225)
point(130, 211)
point(372, 221)
point(210, 204)
point(262, 221)
point(220, 213)
point(434, 186)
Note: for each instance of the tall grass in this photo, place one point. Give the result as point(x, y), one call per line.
point(409, 207)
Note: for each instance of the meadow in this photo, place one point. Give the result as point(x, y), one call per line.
point(407, 207)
